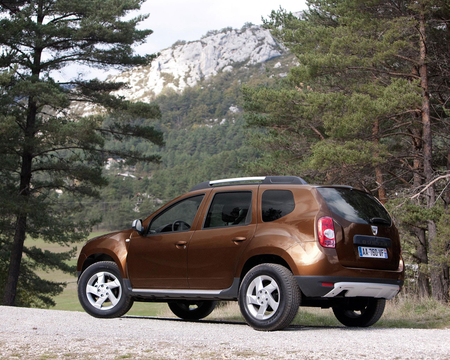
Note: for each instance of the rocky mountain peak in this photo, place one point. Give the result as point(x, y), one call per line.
point(186, 63)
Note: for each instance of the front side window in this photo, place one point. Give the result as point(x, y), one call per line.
point(276, 204)
point(178, 217)
point(229, 209)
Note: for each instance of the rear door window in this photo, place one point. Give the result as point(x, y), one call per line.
point(355, 206)
point(229, 209)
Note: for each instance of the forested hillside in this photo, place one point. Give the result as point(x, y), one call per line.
point(205, 138)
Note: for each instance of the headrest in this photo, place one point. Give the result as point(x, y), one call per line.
point(230, 213)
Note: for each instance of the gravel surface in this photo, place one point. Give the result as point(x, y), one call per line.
point(45, 334)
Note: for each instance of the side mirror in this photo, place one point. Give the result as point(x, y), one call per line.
point(137, 226)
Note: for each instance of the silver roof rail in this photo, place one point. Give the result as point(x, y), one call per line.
point(238, 180)
point(251, 180)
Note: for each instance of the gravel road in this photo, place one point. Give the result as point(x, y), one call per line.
point(35, 333)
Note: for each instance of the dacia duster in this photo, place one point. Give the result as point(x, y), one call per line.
point(272, 243)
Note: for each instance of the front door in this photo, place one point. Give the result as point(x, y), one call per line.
point(158, 259)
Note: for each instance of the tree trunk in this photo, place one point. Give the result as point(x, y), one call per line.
point(9, 296)
point(378, 172)
point(24, 194)
point(423, 278)
point(436, 269)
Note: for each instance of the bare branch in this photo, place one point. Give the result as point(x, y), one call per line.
point(430, 184)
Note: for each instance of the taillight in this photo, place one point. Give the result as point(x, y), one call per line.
point(325, 230)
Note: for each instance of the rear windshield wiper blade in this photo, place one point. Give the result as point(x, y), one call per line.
point(378, 220)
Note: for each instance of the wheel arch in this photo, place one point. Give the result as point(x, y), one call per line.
point(97, 257)
point(263, 259)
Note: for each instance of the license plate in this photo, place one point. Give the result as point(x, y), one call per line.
point(376, 253)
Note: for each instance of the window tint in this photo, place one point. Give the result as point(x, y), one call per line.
point(276, 204)
point(355, 206)
point(229, 208)
point(178, 217)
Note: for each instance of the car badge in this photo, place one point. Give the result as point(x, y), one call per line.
point(374, 229)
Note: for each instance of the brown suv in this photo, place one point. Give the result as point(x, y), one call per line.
point(271, 243)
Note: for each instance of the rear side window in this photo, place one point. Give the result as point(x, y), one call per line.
point(355, 206)
point(276, 204)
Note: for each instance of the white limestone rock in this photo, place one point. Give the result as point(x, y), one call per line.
point(184, 65)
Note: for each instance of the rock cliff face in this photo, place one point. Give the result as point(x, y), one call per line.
point(185, 64)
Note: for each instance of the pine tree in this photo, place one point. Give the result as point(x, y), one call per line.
point(366, 105)
point(44, 144)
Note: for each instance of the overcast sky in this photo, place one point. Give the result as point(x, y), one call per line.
point(189, 20)
point(173, 20)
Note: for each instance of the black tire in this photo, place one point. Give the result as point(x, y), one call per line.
point(360, 313)
point(192, 310)
point(269, 297)
point(101, 291)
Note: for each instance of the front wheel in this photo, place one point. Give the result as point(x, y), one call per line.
point(101, 291)
point(192, 310)
point(361, 312)
point(269, 297)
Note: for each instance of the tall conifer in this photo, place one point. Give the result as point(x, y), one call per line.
point(367, 106)
point(44, 144)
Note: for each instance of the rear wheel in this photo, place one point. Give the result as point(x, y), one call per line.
point(101, 291)
point(192, 310)
point(360, 312)
point(269, 297)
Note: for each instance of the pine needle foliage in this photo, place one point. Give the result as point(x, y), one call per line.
point(367, 106)
point(46, 148)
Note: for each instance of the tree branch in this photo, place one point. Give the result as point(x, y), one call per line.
point(429, 184)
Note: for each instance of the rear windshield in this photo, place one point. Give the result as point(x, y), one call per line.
point(355, 206)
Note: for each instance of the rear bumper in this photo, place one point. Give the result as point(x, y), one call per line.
point(331, 286)
point(354, 289)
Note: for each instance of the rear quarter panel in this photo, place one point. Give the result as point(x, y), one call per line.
point(293, 231)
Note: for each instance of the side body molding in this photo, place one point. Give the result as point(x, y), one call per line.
point(164, 294)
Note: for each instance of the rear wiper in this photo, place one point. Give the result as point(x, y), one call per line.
point(378, 220)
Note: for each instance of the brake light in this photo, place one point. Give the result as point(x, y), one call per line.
point(325, 230)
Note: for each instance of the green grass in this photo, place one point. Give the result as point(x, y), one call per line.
point(411, 312)
point(402, 312)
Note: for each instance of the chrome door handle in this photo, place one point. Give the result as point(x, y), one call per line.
point(181, 244)
point(239, 239)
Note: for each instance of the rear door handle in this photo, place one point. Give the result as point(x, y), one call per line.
point(239, 239)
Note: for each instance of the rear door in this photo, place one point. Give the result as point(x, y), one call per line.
point(365, 234)
point(229, 223)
